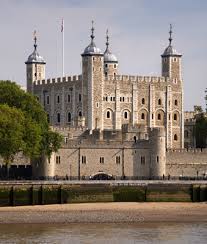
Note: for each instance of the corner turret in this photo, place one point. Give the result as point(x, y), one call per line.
point(35, 67)
point(110, 60)
point(171, 61)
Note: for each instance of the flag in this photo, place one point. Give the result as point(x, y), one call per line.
point(62, 25)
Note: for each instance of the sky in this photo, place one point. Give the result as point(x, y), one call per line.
point(138, 32)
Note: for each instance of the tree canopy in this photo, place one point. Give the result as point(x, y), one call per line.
point(201, 131)
point(23, 124)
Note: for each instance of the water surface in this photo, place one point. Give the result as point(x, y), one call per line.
point(105, 233)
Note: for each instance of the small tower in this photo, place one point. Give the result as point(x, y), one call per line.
point(110, 60)
point(171, 61)
point(92, 83)
point(35, 67)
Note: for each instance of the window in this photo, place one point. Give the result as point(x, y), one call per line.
point(48, 99)
point(143, 101)
point(106, 65)
point(48, 118)
point(69, 99)
point(58, 117)
point(157, 159)
point(114, 74)
point(125, 115)
point(120, 99)
point(58, 99)
point(175, 59)
point(175, 137)
point(175, 116)
point(159, 101)
point(142, 160)
point(142, 116)
point(108, 114)
point(83, 159)
point(101, 160)
point(66, 140)
point(159, 116)
point(79, 98)
point(97, 105)
point(80, 114)
point(69, 117)
point(176, 102)
point(111, 99)
point(106, 73)
point(57, 159)
point(114, 99)
point(115, 66)
point(123, 99)
point(118, 159)
point(169, 116)
point(152, 116)
point(106, 99)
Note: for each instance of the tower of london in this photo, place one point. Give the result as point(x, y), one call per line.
point(123, 125)
point(103, 99)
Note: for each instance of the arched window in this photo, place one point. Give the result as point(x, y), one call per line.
point(125, 115)
point(142, 116)
point(159, 101)
point(143, 101)
point(69, 117)
point(106, 73)
point(108, 114)
point(175, 137)
point(159, 116)
point(58, 117)
point(175, 117)
point(176, 102)
point(80, 114)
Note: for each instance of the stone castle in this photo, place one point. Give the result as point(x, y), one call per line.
point(115, 124)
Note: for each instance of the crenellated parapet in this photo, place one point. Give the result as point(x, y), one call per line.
point(188, 150)
point(66, 79)
point(132, 78)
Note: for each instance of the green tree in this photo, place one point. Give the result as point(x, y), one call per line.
point(38, 137)
point(11, 132)
point(201, 131)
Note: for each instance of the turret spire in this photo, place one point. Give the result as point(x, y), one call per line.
point(107, 39)
point(92, 32)
point(170, 38)
point(35, 39)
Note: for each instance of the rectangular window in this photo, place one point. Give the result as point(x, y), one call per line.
point(58, 117)
point(118, 159)
point(57, 159)
point(69, 98)
point(142, 160)
point(83, 159)
point(157, 159)
point(58, 99)
point(48, 99)
point(79, 98)
point(101, 160)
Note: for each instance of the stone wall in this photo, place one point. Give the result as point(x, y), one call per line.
point(187, 162)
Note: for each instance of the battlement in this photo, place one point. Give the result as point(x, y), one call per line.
point(65, 79)
point(188, 150)
point(132, 78)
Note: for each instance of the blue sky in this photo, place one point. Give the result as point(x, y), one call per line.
point(138, 36)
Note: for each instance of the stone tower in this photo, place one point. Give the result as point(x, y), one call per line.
point(92, 83)
point(110, 60)
point(158, 152)
point(171, 61)
point(35, 67)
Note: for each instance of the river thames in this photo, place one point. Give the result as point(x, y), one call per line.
point(105, 233)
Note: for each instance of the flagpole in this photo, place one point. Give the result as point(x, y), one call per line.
point(63, 48)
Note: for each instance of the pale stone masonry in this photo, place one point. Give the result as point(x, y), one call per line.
point(121, 125)
point(101, 98)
